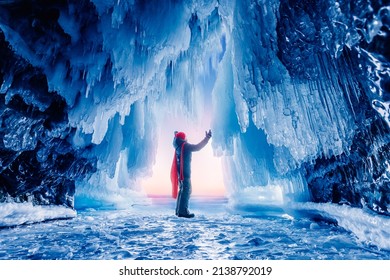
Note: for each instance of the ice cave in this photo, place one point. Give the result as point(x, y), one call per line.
point(297, 94)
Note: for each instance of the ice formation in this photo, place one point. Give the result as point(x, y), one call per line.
point(298, 93)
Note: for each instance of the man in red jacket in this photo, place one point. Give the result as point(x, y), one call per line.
point(182, 162)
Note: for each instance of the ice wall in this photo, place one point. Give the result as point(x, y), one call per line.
point(117, 68)
point(308, 76)
point(297, 90)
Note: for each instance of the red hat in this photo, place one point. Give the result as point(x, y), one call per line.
point(181, 135)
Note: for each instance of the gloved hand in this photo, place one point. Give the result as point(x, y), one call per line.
point(209, 134)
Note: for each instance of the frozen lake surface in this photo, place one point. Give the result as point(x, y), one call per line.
point(152, 231)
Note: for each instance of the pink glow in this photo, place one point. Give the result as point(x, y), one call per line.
point(206, 175)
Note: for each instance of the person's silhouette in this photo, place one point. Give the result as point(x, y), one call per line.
point(183, 155)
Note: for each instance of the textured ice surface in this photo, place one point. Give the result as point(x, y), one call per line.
point(15, 214)
point(152, 231)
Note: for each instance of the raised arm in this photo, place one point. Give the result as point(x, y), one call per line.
point(201, 144)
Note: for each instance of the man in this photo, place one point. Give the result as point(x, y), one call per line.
point(182, 163)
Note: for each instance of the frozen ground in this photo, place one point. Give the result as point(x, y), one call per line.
point(151, 231)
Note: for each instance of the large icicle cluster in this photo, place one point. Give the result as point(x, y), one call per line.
point(309, 75)
point(299, 93)
point(116, 67)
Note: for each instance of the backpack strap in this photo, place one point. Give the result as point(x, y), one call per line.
point(181, 178)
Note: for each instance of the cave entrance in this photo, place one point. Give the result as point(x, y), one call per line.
point(206, 172)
